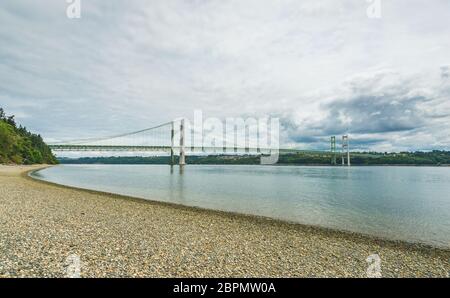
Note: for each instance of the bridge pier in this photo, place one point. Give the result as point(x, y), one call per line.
point(345, 150)
point(182, 148)
point(172, 144)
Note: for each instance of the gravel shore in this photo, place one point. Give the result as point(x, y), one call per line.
point(41, 225)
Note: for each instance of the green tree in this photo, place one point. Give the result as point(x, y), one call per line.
point(19, 146)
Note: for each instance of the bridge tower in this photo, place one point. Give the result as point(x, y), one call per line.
point(182, 148)
point(345, 150)
point(172, 143)
point(333, 150)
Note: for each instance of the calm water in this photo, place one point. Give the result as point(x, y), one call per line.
point(407, 203)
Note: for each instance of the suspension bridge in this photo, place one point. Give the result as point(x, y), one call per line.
point(175, 138)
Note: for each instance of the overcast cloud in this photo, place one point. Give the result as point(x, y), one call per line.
point(323, 67)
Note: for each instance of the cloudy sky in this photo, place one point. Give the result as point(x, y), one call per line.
point(323, 66)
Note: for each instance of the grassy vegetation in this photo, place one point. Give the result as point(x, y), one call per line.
point(19, 146)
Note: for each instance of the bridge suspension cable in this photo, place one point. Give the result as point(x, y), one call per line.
point(89, 140)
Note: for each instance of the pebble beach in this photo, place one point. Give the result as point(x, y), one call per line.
point(42, 226)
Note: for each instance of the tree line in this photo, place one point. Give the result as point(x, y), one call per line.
point(432, 158)
point(19, 146)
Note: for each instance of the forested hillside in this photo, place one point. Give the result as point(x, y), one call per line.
point(19, 146)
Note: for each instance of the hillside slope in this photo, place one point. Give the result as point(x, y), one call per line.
point(18, 146)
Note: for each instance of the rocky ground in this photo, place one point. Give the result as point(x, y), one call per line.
point(44, 229)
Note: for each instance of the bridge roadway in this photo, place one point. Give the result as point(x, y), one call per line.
point(167, 149)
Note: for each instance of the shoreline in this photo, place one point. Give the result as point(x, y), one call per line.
point(419, 245)
point(125, 236)
point(274, 165)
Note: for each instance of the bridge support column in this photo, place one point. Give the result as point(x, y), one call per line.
point(333, 150)
point(224, 141)
point(172, 144)
point(345, 150)
point(182, 148)
point(348, 152)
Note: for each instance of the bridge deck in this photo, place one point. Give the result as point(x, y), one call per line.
point(166, 149)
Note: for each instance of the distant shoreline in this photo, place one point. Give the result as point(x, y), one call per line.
point(434, 159)
point(278, 164)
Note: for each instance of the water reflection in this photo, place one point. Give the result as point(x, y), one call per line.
point(406, 203)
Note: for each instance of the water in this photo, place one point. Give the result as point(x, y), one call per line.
point(405, 203)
